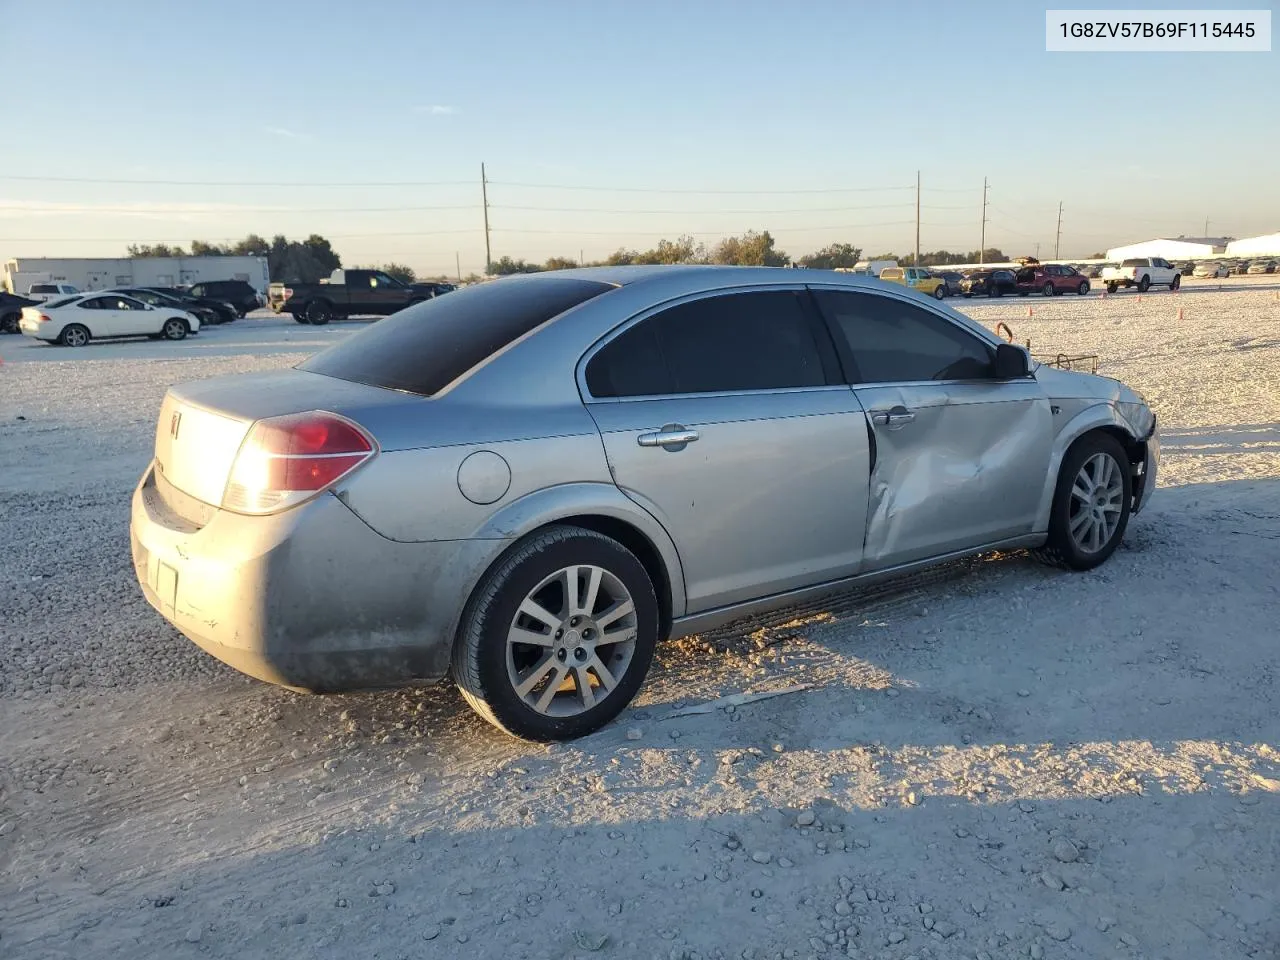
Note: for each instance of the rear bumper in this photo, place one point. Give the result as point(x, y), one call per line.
point(310, 599)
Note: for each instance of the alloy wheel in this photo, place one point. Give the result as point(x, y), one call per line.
point(571, 641)
point(1096, 502)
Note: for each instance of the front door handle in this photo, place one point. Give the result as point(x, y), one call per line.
point(673, 436)
point(894, 419)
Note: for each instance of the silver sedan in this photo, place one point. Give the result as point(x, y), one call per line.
point(527, 484)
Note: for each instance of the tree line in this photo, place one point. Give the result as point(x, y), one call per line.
point(314, 258)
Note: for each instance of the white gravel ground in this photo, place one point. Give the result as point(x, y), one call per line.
point(995, 760)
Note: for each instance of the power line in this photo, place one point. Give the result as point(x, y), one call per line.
point(242, 183)
point(236, 209)
point(562, 186)
point(878, 206)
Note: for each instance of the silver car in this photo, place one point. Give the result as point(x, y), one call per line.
point(527, 484)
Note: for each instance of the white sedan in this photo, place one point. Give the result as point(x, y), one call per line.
point(74, 321)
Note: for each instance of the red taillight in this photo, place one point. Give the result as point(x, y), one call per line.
point(286, 460)
point(45, 318)
point(288, 292)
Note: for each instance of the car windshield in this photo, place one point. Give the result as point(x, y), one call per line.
point(423, 349)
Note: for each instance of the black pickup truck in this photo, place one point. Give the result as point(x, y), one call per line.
point(349, 293)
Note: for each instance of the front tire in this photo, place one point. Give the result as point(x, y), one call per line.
point(1144, 284)
point(558, 636)
point(1047, 290)
point(1091, 504)
point(939, 293)
point(74, 335)
point(1083, 288)
point(1177, 281)
point(175, 328)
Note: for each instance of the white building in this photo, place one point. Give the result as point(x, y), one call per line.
point(1172, 248)
point(101, 273)
point(1255, 246)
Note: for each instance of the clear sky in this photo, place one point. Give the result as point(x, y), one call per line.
point(817, 113)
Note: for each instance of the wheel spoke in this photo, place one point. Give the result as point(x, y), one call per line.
point(521, 635)
point(616, 612)
point(1095, 536)
point(596, 665)
point(531, 608)
point(594, 576)
point(1078, 522)
point(582, 680)
point(1079, 492)
point(532, 678)
point(553, 687)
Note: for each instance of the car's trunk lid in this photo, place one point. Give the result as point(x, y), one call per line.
point(202, 424)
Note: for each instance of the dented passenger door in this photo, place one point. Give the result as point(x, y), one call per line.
point(958, 457)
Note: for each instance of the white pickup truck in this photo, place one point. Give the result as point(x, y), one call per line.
point(1143, 273)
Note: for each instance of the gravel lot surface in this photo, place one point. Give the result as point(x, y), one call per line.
point(993, 760)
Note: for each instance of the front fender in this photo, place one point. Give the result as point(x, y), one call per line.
point(553, 504)
point(1100, 414)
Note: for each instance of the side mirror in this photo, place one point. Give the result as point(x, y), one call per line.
point(1011, 362)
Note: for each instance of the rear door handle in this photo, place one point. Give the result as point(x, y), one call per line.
point(671, 435)
point(893, 419)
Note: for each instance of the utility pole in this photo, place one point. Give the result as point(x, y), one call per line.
point(484, 194)
point(1058, 239)
point(457, 263)
point(1206, 227)
point(917, 259)
point(982, 243)
point(579, 257)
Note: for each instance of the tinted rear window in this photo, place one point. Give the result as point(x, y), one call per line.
point(44, 288)
point(423, 349)
point(61, 303)
point(1134, 263)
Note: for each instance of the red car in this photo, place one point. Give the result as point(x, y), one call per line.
point(1051, 279)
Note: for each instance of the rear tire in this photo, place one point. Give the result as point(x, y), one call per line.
point(74, 335)
point(1048, 290)
point(175, 328)
point(1144, 284)
point(9, 323)
point(300, 318)
point(319, 312)
point(1111, 288)
point(1086, 523)
point(994, 292)
point(520, 686)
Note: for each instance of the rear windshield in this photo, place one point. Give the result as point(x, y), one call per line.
point(422, 349)
point(1140, 262)
point(44, 288)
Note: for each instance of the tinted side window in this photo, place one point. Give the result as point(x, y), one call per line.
point(890, 341)
point(631, 365)
point(741, 341)
point(423, 349)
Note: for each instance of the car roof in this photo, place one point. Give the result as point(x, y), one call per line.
point(678, 279)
